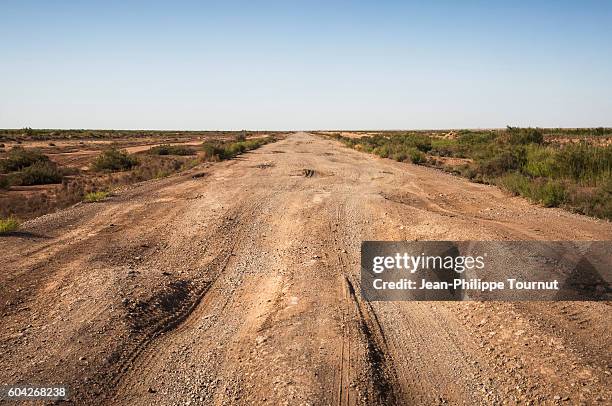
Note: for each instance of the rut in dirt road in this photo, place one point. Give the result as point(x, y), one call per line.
point(238, 283)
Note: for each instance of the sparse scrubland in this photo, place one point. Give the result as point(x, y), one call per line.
point(553, 167)
point(243, 277)
point(27, 167)
point(60, 185)
point(27, 133)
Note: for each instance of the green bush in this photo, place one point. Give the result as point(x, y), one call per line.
point(212, 150)
point(167, 149)
point(549, 193)
point(40, 173)
point(471, 139)
point(516, 183)
point(541, 161)
point(7, 225)
point(416, 156)
point(585, 163)
point(19, 158)
point(399, 156)
point(383, 151)
point(523, 136)
point(573, 175)
point(501, 161)
point(592, 201)
point(444, 147)
point(114, 160)
point(5, 182)
point(220, 151)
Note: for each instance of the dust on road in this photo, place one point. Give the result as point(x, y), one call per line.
point(241, 285)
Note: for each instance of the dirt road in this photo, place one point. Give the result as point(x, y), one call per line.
point(240, 285)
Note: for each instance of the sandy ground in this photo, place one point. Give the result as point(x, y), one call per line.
point(240, 285)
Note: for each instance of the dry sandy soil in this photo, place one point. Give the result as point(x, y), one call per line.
point(238, 283)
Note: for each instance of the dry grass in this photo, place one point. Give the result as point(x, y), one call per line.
point(8, 225)
point(97, 196)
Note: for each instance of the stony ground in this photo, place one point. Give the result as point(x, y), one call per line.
point(238, 283)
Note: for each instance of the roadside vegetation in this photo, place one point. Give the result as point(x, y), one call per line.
point(220, 151)
point(62, 186)
point(574, 172)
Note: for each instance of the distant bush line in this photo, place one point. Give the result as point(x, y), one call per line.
point(28, 133)
point(219, 151)
point(573, 175)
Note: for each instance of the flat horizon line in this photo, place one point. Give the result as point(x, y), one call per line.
point(304, 130)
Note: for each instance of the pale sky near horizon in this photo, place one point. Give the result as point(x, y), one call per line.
point(305, 64)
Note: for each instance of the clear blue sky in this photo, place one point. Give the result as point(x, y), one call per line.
point(305, 64)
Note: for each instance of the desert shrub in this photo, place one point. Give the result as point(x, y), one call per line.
point(155, 168)
point(399, 156)
point(418, 141)
point(40, 173)
point(114, 160)
point(469, 139)
point(585, 163)
point(167, 149)
point(445, 147)
point(212, 150)
point(382, 151)
point(95, 196)
point(218, 151)
point(541, 161)
point(233, 149)
point(549, 193)
point(416, 156)
point(468, 171)
point(5, 182)
point(591, 201)
point(523, 136)
point(19, 158)
point(8, 224)
point(515, 183)
point(497, 162)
